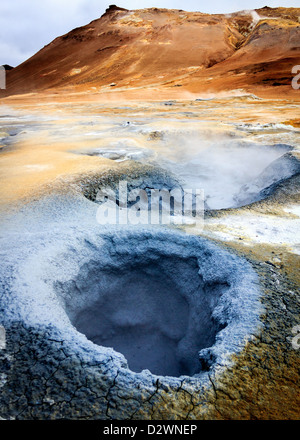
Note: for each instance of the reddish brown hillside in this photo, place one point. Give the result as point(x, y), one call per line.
point(166, 48)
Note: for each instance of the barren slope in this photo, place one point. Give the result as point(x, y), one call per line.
point(168, 48)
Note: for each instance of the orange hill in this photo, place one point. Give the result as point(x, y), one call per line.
point(124, 49)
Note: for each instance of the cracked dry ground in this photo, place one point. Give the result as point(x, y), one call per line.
point(42, 379)
point(262, 383)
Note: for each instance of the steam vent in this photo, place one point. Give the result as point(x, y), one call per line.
point(149, 218)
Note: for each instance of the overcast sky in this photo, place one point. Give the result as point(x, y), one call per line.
point(28, 25)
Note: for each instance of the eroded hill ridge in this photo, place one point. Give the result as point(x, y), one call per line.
point(126, 49)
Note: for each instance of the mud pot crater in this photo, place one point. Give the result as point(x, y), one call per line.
point(100, 321)
point(228, 180)
point(168, 302)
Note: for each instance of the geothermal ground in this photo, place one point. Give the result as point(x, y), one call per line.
point(137, 289)
point(150, 321)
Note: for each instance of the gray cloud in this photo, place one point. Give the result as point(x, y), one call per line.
point(27, 25)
